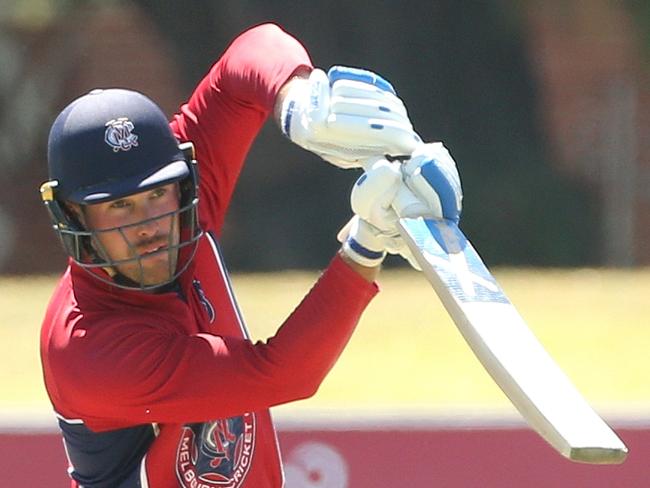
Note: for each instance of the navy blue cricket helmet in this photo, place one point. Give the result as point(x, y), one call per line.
point(106, 145)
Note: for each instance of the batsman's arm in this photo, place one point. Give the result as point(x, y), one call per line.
point(345, 116)
point(299, 82)
point(426, 186)
point(368, 273)
point(148, 369)
point(229, 106)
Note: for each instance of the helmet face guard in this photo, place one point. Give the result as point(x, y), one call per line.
point(107, 145)
point(85, 248)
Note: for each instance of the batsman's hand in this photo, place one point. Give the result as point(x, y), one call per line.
point(431, 176)
point(373, 231)
point(346, 116)
point(427, 185)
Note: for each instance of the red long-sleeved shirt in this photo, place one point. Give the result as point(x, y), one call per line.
point(166, 390)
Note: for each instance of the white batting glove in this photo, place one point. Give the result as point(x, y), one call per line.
point(432, 177)
point(347, 116)
point(373, 231)
point(427, 185)
point(362, 242)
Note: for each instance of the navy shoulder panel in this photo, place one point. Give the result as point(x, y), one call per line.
point(106, 459)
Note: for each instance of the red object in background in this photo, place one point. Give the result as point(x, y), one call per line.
point(413, 458)
point(32, 460)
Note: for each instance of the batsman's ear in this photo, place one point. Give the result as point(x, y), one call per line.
point(74, 210)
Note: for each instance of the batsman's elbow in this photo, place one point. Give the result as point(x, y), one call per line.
point(304, 387)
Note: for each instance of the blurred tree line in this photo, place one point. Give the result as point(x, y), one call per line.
point(463, 70)
point(641, 12)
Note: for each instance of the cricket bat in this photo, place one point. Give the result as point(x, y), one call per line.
point(505, 345)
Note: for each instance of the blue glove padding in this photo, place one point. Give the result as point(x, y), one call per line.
point(347, 116)
point(336, 73)
point(432, 176)
point(373, 231)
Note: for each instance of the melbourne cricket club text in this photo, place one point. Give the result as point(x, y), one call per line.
point(216, 454)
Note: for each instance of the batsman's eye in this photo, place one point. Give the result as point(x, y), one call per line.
point(159, 192)
point(118, 204)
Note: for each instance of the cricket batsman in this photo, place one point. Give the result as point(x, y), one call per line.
point(146, 360)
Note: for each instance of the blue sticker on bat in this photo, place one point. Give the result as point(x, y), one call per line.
point(447, 249)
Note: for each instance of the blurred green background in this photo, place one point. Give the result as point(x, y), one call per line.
point(406, 356)
point(545, 104)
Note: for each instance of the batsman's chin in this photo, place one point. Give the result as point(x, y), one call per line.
point(159, 272)
point(155, 277)
point(152, 269)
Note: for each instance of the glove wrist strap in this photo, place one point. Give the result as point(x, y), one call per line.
point(362, 255)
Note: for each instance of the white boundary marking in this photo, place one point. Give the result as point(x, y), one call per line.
point(461, 418)
point(42, 421)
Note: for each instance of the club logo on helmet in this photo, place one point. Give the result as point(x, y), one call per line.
point(119, 134)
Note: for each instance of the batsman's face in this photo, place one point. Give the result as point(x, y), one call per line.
point(142, 228)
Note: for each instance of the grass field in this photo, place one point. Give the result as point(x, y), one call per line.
point(406, 353)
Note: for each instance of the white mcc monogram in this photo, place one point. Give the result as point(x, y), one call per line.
point(119, 134)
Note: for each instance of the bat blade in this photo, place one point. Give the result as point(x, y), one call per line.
point(506, 347)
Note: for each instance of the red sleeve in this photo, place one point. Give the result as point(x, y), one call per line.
point(136, 374)
point(230, 105)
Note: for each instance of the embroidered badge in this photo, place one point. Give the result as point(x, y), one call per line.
point(119, 134)
point(216, 454)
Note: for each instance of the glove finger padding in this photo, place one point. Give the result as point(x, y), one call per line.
point(364, 136)
point(347, 116)
point(337, 73)
point(355, 92)
point(373, 194)
point(367, 109)
point(374, 227)
point(431, 174)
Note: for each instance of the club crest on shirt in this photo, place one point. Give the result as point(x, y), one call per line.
point(119, 134)
point(217, 453)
